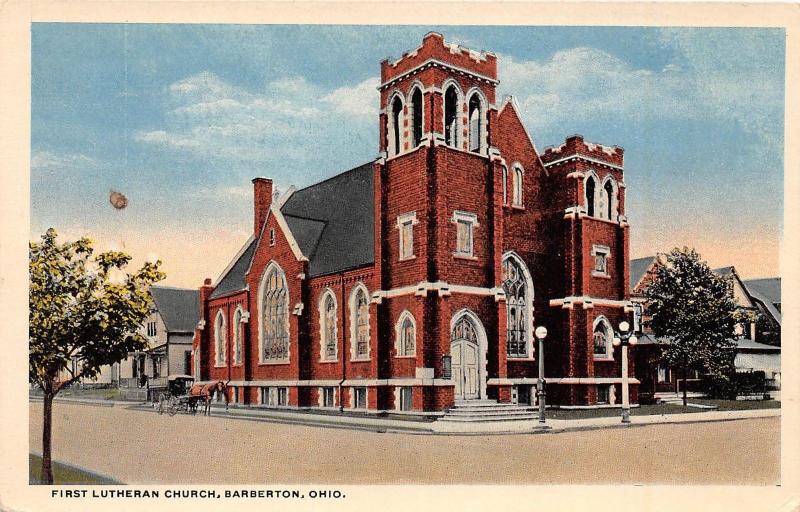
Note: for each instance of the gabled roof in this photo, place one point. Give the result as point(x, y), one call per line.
point(179, 307)
point(333, 221)
point(234, 279)
point(767, 291)
point(638, 268)
point(724, 271)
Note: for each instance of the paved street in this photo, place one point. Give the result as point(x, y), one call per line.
point(136, 446)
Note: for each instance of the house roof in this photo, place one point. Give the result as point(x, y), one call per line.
point(724, 271)
point(333, 221)
point(638, 268)
point(767, 291)
point(748, 344)
point(234, 279)
point(179, 307)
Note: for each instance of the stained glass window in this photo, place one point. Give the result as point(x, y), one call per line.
point(515, 288)
point(275, 317)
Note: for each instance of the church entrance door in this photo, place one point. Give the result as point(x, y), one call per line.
point(465, 359)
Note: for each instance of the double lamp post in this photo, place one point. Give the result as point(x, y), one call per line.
point(624, 337)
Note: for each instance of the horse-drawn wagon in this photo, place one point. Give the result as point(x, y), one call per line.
point(181, 394)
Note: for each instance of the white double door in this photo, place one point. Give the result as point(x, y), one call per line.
point(465, 359)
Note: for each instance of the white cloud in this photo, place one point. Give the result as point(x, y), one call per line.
point(708, 79)
point(290, 120)
point(48, 161)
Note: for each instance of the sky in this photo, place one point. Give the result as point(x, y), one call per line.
point(180, 118)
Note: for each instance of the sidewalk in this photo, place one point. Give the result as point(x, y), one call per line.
point(378, 424)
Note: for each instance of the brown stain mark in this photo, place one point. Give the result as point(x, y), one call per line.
point(118, 200)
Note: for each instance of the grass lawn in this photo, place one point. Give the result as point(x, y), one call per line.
point(647, 410)
point(64, 474)
point(98, 393)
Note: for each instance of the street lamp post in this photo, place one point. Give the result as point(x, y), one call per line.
point(625, 337)
point(541, 334)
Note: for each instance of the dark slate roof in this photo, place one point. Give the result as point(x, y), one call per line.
point(234, 280)
point(724, 271)
point(333, 221)
point(179, 307)
point(748, 344)
point(767, 291)
point(638, 268)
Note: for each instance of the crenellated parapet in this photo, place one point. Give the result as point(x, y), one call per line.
point(575, 146)
point(436, 51)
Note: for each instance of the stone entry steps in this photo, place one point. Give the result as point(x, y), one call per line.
point(488, 410)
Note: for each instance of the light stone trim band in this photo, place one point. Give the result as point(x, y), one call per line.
point(578, 156)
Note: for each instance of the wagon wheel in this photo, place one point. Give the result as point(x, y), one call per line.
point(161, 404)
point(174, 403)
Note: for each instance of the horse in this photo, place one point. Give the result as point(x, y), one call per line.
point(205, 392)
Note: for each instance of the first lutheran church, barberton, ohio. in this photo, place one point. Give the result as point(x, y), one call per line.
point(415, 281)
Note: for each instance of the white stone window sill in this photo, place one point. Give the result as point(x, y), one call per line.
point(604, 358)
point(607, 221)
point(468, 257)
point(413, 356)
point(328, 361)
point(360, 360)
point(514, 358)
point(517, 207)
point(600, 275)
point(272, 363)
point(220, 365)
point(408, 258)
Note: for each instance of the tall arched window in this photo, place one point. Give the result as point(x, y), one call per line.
point(397, 112)
point(327, 323)
point(274, 328)
point(608, 191)
point(475, 116)
point(359, 323)
point(518, 176)
point(451, 116)
point(602, 337)
point(220, 338)
point(416, 119)
point(505, 185)
point(518, 302)
point(406, 330)
point(589, 196)
point(238, 327)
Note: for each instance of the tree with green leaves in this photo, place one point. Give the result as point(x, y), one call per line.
point(693, 308)
point(84, 308)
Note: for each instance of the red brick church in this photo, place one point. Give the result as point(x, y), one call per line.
point(417, 279)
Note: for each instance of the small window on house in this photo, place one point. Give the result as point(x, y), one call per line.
point(589, 196)
point(151, 329)
point(328, 397)
point(416, 112)
point(475, 123)
point(600, 254)
point(518, 177)
point(405, 224)
point(359, 398)
point(397, 112)
point(465, 225)
point(272, 237)
point(603, 394)
point(406, 336)
point(406, 403)
point(451, 116)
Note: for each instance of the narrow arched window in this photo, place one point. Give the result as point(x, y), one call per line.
point(220, 338)
point(589, 196)
point(274, 324)
point(601, 340)
point(505, 185)
point(451, 116)
point(327, 316)
point(475, 123)
point(608, 191)
point(359, 309)
point(517, 296)
point(518, 175)
point(397, 112)
point(406, 336)
point(238, 327)
point(416, 109)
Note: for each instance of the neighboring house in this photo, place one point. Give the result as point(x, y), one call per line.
point(657, 376)
point(169, 330)
point(417, 279)
point(766, 294)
